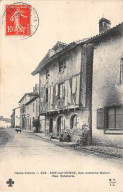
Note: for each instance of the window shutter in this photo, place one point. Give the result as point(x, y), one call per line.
point(69, 90)
point(51, 95)
point(56, 89)
point(63, 90)
point(54, 93)
point(66, 92)
point(100, 118)
point(73, 85)
point(78, 89)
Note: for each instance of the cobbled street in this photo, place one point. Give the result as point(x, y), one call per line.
point(25, 157)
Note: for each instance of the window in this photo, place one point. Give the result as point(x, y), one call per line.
point(47, 73)
point(74, 121)
point(33, 107)
point(115, 118)
point(61, 90)
point(46, 94)
point(121, 70)
point(110, 118)
point(62, 65)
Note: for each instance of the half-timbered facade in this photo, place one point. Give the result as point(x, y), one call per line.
point(65, 88)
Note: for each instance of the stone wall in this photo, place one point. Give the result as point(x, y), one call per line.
point(106, 89)
point(83, 118)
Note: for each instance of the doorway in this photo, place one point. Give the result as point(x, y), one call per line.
point(51, 125)
point(60, 125)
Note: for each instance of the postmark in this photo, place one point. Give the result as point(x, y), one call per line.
point(20, 20)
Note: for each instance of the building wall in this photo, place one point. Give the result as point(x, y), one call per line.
point(32, 110)
point(77, 81)
point(76, 132)
point(13, 120)
point(23, 120)
point(17, 117)
point(72, 61)
point(106, 89)
point(70, 73)
point(4, 124)
point(42, 123)
point(22, 111)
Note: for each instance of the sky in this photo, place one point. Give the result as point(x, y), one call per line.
point(64, 21)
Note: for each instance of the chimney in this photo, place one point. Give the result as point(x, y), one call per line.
point(36, 88)
point(104, 25)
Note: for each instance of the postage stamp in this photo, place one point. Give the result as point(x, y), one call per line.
point(18, 21)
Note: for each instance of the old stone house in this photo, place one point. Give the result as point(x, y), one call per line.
point(65, 80)
point(107, 87)
point(15, 117)
point(81, 84)
point(32, 111)
point(26, 98)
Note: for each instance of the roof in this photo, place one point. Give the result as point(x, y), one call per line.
point(59, 44)
point(117, 30)
point(111, 32)
point(16, 108)
point(30, 94)
point(47, 60)
point(33, 99)
point(55, 47)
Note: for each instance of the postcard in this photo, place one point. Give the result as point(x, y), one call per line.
point(61, 96)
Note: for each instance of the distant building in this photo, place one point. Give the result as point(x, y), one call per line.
point(5, 122)
point(82, 84)
point(26, 98)
point(32, 111)
point(13, 119)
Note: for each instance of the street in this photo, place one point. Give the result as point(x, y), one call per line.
point(27, 158)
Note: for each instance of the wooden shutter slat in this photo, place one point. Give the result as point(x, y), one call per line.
point(100, 118)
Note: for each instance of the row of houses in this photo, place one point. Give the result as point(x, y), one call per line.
point(81, 85)
point(27, 111)
point(4, 122)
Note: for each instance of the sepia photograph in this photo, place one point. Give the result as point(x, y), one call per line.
point(61, 95)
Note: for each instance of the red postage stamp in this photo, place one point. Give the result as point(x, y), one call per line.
point(18, 20)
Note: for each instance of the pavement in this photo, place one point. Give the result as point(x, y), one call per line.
point(38, 164)
point(96, 149)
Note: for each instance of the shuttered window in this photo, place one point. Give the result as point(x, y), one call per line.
point(46, 94)
point(115, 118)
point(110, 118)
point(62, 65)
point(100, 118)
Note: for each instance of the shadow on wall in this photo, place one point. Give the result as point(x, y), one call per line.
point(112, 94)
